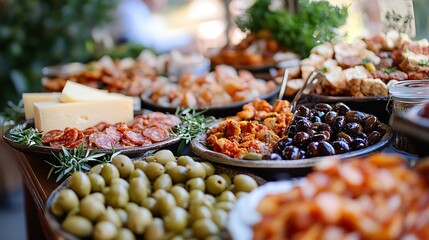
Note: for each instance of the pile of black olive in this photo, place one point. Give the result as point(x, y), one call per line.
point(327, 130)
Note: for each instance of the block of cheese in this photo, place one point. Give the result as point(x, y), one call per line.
point(75, 92)
point(54, 115)
point(31, 98)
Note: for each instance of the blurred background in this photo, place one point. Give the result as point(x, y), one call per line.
point(37, 33)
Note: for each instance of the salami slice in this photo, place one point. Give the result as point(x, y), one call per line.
point(52, 136)
point(113, 133)
point(136, 137)
point(101, 140)
point(79, 140)
point(90, 131)
point(101, 126)
point(156, 133)
point(127, 143)
point(67, 138)
point(121, 127)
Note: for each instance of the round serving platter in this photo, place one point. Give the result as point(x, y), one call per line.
point(198, 147)
point(48, 151)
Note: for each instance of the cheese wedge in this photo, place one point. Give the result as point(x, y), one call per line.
point(31, 98)
point(81, 115)
point(75, 92)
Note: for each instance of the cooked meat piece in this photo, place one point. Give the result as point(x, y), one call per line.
point(398, 75)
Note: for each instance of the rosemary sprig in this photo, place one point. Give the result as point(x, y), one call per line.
point(77, 159)
point(29, 136)
point(193, 122)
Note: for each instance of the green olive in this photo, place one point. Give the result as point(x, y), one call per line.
point(91, 208)
point(169, 165)
point(165, 203)
point(164, 156)
point(80, 184)
point(150, 159)
point(227, 179)
point(155, 230)
point(98, 196)
point(109, 172)
point(176, 220)
point(57, 210)
point(125, 234)
point(96, 169)
point(220, 217)
point(227, 206)
point(210, 200)
point(138, 190)
point(215, 184)
point(110, 215)
point(196, 194)
point(159, 193)
point(120, 181)
point(154, 170)
point(214, 237)
point(181, 196)
point(244, 183)
point(178, 174)
point(231, 188)
point(67, 200)
point(104, 230)
point(139, 173)
point(118, 196)
point(199, 212)
point(180, 185)
point(139, 219)
point(131, 207)
point(124, 164)
point(149, 203)
point(195, 170)
point(239, 195)
point(210, 169)
point(122, 214)
point(97, 182)
point(204, 227)
point(226, 196)
point(187, 233)
point(184, 160)
point(196, 183)
point(163, 182)
point(139, 164)
point(78, 226)
point(73, 211)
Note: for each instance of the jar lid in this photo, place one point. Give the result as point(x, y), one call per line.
point(410, 89)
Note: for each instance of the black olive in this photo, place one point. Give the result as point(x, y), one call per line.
point(374, 137)
point(325, 127)
point(327, 134)
point(341, 147)
point(319, 137)
point(303, 111)
point(320, 114)
point(311, 132)
point(330, 117)
point(324, 107)
point(291, 153)
point(316, 119)
point(303, 125)
point(371, 123)
point(352, 128)
point(284, 142)
point(355, 116)
point(357, 143)
point(341, 108)
point(325, 148)
point(362, 135)
point(275, 156)
point(339, 123)
point(301, 139)
point(312, 149)
point(292, 131)
point(316, 125)
point(344, 136)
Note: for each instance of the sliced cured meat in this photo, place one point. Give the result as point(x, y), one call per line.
point(127, 143)
point(114, 133)
point(381, 75)
point(102, 126)
point(79, 140)
point(90, 131)
point(348, 62)
point(417, 75)
point(52, 136)
point(398, 75)
point(70, 135)
point(136, 137)
point(156, 133)
point(121, 126)
point(101, 140)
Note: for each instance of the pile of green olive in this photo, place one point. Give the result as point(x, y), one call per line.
point(160, 197)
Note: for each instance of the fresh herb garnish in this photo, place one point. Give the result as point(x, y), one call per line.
point(366, 61)
point(29, 136)
point(325, 69)
point(77, 159)
point(314, 23)
point(390, 70)
point(13, 113)
point(423, 62)
point(193, 122)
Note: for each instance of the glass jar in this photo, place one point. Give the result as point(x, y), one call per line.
point(403, 96)
point(183, 65)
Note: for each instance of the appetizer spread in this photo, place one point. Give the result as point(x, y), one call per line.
point(374, 198)
point(161, 197)
point(142, 131)
point(221, 87)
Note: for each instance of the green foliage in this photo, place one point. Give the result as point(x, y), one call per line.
point(29, 136)
point(313, 24)
point(37, 33)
